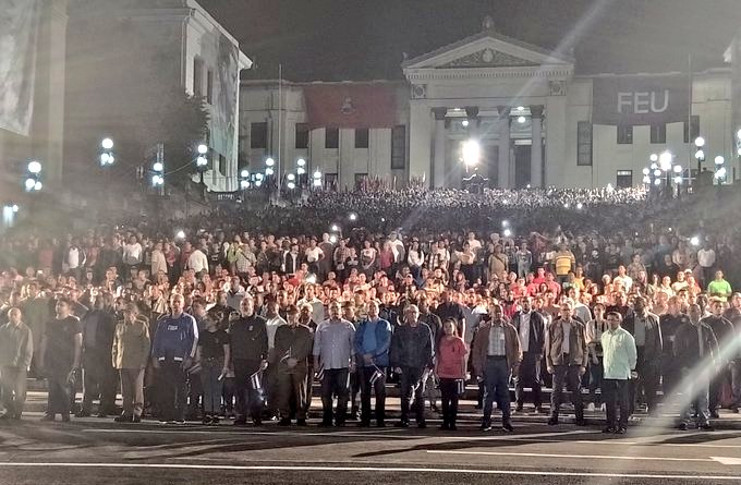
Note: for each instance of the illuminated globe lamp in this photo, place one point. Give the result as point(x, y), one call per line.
point(665, 161)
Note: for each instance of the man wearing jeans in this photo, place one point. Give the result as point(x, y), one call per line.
point(619, 362)
point(496, 354)
point(566, 359)
point(173, 350)
point(372, 341)
point(333, 351)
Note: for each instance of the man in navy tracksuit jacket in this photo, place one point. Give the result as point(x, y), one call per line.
point(173, 350)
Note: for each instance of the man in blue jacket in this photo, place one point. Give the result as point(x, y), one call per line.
point(372, 341)
point(173, 350)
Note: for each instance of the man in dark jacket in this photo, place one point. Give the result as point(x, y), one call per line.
point(411, 356)
point(646, 330)
point(450, 309)
point(696, 351)
point(289, 359)
point(725, 333)
point(249, 351)
point(530, 327)
point(372, 342)
point(99, 376)
point(173, 350)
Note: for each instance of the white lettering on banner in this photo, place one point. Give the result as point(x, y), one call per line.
point(642, 103)
point(666, 102)
point(624, 99)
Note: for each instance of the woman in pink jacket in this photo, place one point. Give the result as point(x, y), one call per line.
point(450, 369)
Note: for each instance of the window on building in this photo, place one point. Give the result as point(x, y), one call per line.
point(625, 134)
point(197, 77)
point(658, 133)
point(361, 138)
point(332, 138)
point(302, 135)
point(259, 135)
point(693, 131)
point(359, 178)
point(398, 147)
point(330, 181)
point(584, 143)
point(624, 179)
point(210, 87)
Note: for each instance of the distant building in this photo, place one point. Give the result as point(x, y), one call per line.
point(190, 50)
point(32, 33)
point(509, 96)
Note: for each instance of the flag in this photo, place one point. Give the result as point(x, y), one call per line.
point(350, 105)
point(18, 25)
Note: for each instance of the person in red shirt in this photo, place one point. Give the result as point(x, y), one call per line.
point(540, 277)
point(450, 369)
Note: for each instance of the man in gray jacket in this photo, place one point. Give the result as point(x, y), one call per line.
point(16, 352)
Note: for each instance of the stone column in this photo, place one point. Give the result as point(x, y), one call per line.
point(536, 149)
point(504, 142)
point(420, 137)
point(438, 169)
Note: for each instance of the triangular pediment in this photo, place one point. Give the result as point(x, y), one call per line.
point(486, 50)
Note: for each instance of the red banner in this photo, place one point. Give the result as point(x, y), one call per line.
point(350, 105)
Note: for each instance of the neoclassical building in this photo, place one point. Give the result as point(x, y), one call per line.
point(536, 122)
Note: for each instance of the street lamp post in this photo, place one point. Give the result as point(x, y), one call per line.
point(699, 154)
point(202, 161)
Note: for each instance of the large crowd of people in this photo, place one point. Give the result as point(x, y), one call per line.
point(237, 314)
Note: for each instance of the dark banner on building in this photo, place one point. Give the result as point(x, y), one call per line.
point(640, 100)
point(350, 105)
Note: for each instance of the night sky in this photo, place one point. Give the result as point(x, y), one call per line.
point(366, 39)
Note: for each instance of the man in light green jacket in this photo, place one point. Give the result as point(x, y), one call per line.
point(130, 353)
point(619, 351)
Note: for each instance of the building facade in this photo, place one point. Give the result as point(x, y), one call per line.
point(535, 121)
point(117, 48)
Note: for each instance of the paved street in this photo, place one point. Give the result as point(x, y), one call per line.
point(93, 451)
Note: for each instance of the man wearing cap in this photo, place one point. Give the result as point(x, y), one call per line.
point(289, 359)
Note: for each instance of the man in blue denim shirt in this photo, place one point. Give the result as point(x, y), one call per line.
point(372, 341)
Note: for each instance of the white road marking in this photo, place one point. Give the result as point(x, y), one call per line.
point(654, 443)
point(555, 455)
point(298, 468)
point(340, 434)
point(726, 460)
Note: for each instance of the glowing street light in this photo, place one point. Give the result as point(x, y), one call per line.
point(720, 160)
point(202, 149)
point(699, 142)
point(269, 162)
point(695, 240)
point(34, 167)
point(507, 232)
point(106, 144)
point(291, 185)
point(301, 162)
point(646, 171)
point(245, 174)
point(677, 169)
point(353, 216)
point(269, 171)
point(291, 177)
point(665, 161)
point(654, 157)
point(335, 228)
point(471, 152)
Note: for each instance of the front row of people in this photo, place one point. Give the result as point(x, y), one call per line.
point(337, 348)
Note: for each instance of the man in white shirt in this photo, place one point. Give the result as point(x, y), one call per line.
point(198, 261)
point(132, 253)
point(706, 260)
